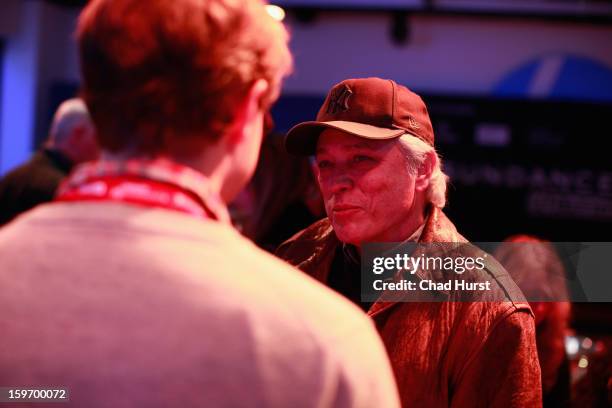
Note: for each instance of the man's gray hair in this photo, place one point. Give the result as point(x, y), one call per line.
point(416, 151)
point(70, 114)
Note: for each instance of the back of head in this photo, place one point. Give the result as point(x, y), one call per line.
point(165, 76)
point(535, 266)
point(72, 131)
point(70, 114)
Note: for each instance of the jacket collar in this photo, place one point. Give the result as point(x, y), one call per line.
point(437, 228)
point(60, 160)
point(320, 242)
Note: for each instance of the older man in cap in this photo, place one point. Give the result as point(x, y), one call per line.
point(382, 181)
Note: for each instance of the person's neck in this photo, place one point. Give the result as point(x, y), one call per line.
point(404, 231)
point(207, 167)
point(64, 151)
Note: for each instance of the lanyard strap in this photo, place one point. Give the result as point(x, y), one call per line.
point(135, 190)
point(152, 182)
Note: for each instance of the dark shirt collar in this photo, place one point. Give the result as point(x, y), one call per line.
point(59, 159)
point(351, 253)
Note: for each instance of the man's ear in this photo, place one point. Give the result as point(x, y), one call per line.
point(425, 171)
point(248, 113)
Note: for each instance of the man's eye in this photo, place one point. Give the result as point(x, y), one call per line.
point(324, 164)
point(360, 159)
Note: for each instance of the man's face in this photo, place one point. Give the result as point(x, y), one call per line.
point(367, 187)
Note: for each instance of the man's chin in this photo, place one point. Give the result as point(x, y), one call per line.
point(348, 234)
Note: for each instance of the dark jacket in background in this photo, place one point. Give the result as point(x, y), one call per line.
point(32, 183)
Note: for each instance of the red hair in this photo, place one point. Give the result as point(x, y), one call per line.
point(158, 74)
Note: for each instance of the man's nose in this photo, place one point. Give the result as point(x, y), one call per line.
point(340, 182)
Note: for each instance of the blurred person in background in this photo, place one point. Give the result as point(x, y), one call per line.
point(382, 181)
point(594, 389)
point(281, 199)
point(71, 141)
point(538, 271)
point(132, 288)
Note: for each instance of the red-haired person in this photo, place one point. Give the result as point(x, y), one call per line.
point(133, 289)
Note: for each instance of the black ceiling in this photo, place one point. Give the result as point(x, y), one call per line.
point(68, 3)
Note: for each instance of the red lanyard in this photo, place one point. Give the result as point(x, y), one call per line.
point(136, 190)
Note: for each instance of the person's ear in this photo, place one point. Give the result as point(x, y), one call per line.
point(425, 171)
point(248, 113)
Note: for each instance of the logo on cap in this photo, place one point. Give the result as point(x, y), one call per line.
point(413, 123)
point(338, 100)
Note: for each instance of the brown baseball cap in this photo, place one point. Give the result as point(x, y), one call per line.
point(372, 108)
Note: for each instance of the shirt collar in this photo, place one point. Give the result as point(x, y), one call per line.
point(59, 159)
point(158, 169)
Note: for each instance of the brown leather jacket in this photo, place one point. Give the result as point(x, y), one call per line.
point(446, 354)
